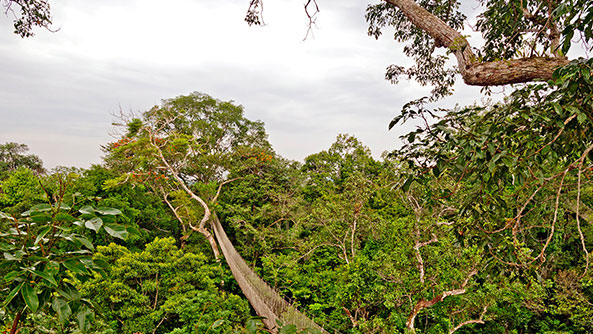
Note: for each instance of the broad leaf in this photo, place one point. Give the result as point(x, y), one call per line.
point(41, 208)
point(30, 297)
point(108, 211)
point(46, 276)
point(13, 293)
point(87, 209)
point(85, 242)
point(62, 308)
point(18, 255)
point(69, 292)
point(81, 318)
point(116, 231)
point(12, 275)
point(76, 266)
point(94, 224)
point(217, 323)
point(42, 233)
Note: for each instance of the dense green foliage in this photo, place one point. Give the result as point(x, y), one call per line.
point(165, 288)
point(45, 251)
point(481, 223)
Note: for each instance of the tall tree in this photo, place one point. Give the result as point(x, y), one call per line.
point(13, 155)
point(183, 149)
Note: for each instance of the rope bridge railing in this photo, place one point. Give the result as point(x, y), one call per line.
point(266, 301)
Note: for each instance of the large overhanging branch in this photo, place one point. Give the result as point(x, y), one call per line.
point(477, 73)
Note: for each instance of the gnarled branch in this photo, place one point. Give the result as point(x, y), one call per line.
point(501, 72)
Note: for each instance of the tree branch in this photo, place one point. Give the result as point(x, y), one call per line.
point(476, 73)
point(202, 227)
point(473, 321)
point(423, 303)
point(213, 200)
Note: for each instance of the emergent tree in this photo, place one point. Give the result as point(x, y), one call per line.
point(183, 150)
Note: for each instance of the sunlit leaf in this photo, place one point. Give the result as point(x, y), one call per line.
point(94, 224)
point(116, 231)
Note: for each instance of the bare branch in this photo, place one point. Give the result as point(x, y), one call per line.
point(468, 322)
point(423, 303)
point(581, 236)
point(311, 16)
point(174, 209)
point(213, 200)
point(352, 318)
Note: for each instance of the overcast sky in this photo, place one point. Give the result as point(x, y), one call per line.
point(59, 90)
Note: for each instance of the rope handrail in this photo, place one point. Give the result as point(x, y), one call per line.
point(266, 302)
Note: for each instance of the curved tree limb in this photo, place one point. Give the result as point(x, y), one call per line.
point(207, 213)
point(423, 303)
point(480, 320)
point(501, 72)
point(213, 200)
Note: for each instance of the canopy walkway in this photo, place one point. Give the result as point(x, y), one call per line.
point(262, 297)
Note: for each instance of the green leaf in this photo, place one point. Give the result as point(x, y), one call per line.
point(30, 297)
point(288, 329)
point(394, 121)
point(101, 264)
point(42, 233)
point(69, 292)
point(76, 267)
point(64, 207)
point(46, 276)
point(586, 74)
point(408, 183)
point(133, 230)
point(491, 166)
point(116, 231)
point(217, 323)
point(87, 261)
point(87, 209)
point(85, 243)
point(436, 171)
point(12, 294)
point(6, 247)
point(12, 275)
point(53, 268)
point(251, 326)
point(557, 108)
point(62, 308)
point(108, 211)
point(44, 297)
point(81, 318)
point(40, 208)
point(94, 224)
point(40, 217)
point(5, 216)
point(18, 255)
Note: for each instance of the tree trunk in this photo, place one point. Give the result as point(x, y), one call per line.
point(476, 73)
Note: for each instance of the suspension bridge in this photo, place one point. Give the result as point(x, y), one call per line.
point(266, 301)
